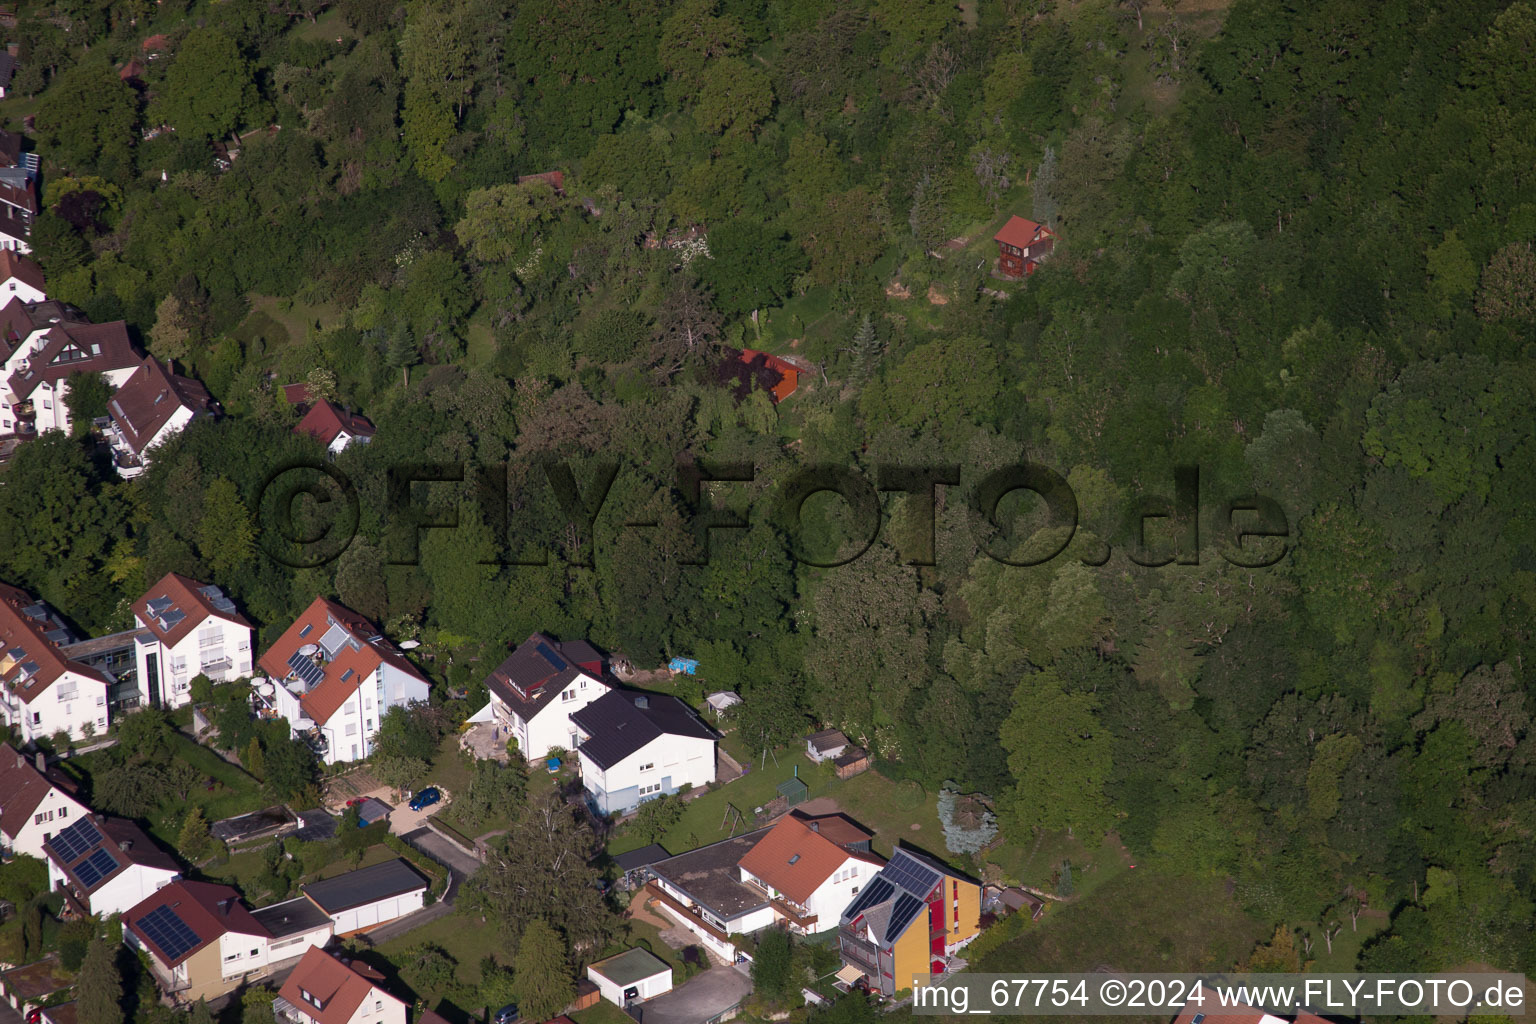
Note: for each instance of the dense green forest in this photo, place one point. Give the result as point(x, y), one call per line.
point(1295, 252)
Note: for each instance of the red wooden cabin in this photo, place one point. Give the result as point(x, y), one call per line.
point(1021, 245)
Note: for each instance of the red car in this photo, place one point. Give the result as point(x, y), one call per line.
point(356, 800)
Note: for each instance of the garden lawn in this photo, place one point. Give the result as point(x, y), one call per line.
point(603, 1012)
point(885, 806)
point(1138, 921)
point(1037, 863)
point(461, 935)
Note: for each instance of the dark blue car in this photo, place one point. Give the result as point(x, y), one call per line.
point(426, 798)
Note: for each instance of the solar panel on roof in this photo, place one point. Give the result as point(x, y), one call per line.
point(94, 868)
point(902, 913)
point(875, 892)
point(305, 631)
point(548, 654)
point(346, 675)
point(75, 841)
point(305, 669)
point(166, 930)
point(911, 875)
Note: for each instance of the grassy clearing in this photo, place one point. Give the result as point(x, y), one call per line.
point(465, 938)
point(886, 807)
point(1136, 922)
point(603, 1012)
point(296, 318)
point(1036, 863)
point(1346, 944)
point(227, 791)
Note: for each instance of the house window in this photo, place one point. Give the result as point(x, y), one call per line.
point(40, 818)
point(648, 790)
point(649, 766)
point(63, 812)
point(351, 728)
point(568, 694)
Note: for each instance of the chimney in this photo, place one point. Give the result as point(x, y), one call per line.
point(224, 905)
point(815, 826)
point(125, 845)
point(20, 759)
point(42, 761)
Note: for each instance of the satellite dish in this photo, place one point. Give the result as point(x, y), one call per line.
point(302, 724)
point(309, 650)
point(409, 645)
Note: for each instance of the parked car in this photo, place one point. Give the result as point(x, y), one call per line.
point(506, 1015)
point(426, 798)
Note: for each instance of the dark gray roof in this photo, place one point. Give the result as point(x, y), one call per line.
point(640, 858)
point(712, 876)
point(621, 722)
point(7, 68)
point(291, 917)
point(250, 826)
point(315, 826)
point(365, 885)
point(534, 674)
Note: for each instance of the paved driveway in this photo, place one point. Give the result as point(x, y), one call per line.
point(403, 820)
point(444, 852)
point(702, 998)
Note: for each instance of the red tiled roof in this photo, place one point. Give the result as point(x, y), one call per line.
point(332, 691)
point(339, 987)
point(20, 632)
point(14, 264)
point(209, 909)
point(296, 394)
point(789, 373)
point(23, 787)
point(10, 149)
point(70, 347)
point(838, 827)
point(1213, 1009)
point(133, 69)
point(186, 596)
point(23, 197)
point(1020, 231)
point(327, 420)
point(555, 179)
point(150, 397)
point(156, 43)
point(795, 860)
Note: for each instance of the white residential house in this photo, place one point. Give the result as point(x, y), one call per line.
point(187, 629)
point(328, 989)
point(153, 405)
point(42, 344)
point(20, 278)
point(107, 865)
point(42, 692)
point(335, 427)
point(203, 942)
point(798, 873)
point(36, 802)
point(333, 675)
point(639, 746)
point(535, 691)
point(809, 877)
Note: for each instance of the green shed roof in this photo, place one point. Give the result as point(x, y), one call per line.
point(631, 966)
